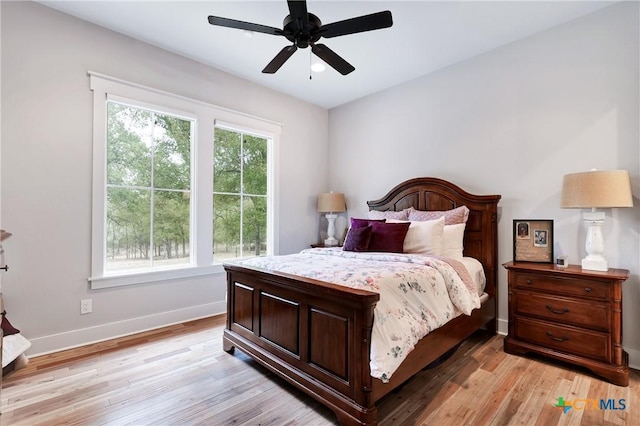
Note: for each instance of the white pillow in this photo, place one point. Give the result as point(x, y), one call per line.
point(452, 240)
point(423, 237)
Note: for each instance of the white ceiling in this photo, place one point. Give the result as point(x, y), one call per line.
point(425, 36)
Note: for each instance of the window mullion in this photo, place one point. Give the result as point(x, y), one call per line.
point(202, 192)
point(152, 194)
point(241, 194)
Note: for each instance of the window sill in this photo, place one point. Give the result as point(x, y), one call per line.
point(109, 281)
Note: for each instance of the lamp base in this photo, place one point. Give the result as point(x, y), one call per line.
point(331, 230)
point(331, 242)
point(595, 264)
point(594, 261)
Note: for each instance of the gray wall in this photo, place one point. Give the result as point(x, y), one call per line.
point(46, 174)
point(512, 122)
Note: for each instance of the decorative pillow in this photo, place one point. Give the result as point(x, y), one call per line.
point(7, 328)
point(375, 214)
point(451, 217)
point(357, 239)
point(388, 237)
point(452, 241)
point(361, 223)
point(423, 237)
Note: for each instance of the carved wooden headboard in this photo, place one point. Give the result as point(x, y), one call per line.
point(481, 232)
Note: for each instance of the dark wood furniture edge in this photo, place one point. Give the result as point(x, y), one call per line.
point(616, 374)
point(344, 383)
point(570, 271)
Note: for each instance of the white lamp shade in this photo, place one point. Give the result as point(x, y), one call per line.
point(331, 202)
point(596, 189)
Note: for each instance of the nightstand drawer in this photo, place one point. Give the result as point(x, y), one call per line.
point(593, 315)
point(566, 339)
point(569, 287)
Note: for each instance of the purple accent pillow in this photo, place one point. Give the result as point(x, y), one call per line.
point(361, 223)
point(388, 237)
point(357, 239)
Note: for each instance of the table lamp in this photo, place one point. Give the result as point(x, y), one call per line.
point(596, 189)
point(331, 203)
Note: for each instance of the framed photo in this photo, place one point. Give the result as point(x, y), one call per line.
point(533, 240)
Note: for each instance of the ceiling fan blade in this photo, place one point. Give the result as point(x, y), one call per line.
point(375, 21)
point(332, 58)
point(298, 11)
point(280, 59)
point(241, 25)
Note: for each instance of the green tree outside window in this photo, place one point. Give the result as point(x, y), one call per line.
point(148, 188)
point(240, 195)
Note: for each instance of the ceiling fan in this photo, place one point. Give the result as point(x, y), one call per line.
point(305, 29)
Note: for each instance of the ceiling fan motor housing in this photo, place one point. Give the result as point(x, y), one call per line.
point(301, 33)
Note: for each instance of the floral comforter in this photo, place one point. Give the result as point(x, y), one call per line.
point(418, 293)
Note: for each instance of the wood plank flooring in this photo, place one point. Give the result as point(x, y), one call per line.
point(181, 375)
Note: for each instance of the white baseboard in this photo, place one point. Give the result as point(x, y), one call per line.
point(85, 336)
point(634, 358)
point(503, 327)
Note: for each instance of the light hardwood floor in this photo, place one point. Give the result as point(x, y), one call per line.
point(181, 375)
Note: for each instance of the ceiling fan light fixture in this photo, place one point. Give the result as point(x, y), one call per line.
point(318, 66)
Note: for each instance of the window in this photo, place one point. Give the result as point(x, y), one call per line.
point(239, 194)
point(179, 185)
point(148, 188)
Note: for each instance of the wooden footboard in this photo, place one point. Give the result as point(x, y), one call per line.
point(313, 334)
point(317, 335)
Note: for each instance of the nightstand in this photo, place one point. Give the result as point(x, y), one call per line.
point(569, 314)
point(321, 245)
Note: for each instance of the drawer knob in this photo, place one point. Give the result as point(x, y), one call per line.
point(557, 311)
point(587, 289)
point(557, 339)
point(529, 282)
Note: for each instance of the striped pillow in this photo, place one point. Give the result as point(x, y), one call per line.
point(451, 217)
point(390, 214)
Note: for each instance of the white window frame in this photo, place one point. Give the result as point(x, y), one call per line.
point(206, 117)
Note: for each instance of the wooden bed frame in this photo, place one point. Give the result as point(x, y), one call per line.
point(316, 335)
